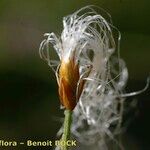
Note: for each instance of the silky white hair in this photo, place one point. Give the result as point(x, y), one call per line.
point(92, 40)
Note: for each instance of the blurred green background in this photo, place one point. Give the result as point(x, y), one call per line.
point(29, 105)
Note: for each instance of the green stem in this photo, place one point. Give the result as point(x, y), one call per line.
point(67, 125)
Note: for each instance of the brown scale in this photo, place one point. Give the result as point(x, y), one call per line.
point(68, 80)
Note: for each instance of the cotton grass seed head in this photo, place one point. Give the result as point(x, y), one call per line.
point(90, 78)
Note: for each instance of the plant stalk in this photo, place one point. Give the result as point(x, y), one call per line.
point(67, 126)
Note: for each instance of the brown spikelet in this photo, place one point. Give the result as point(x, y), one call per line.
point(68, 80)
